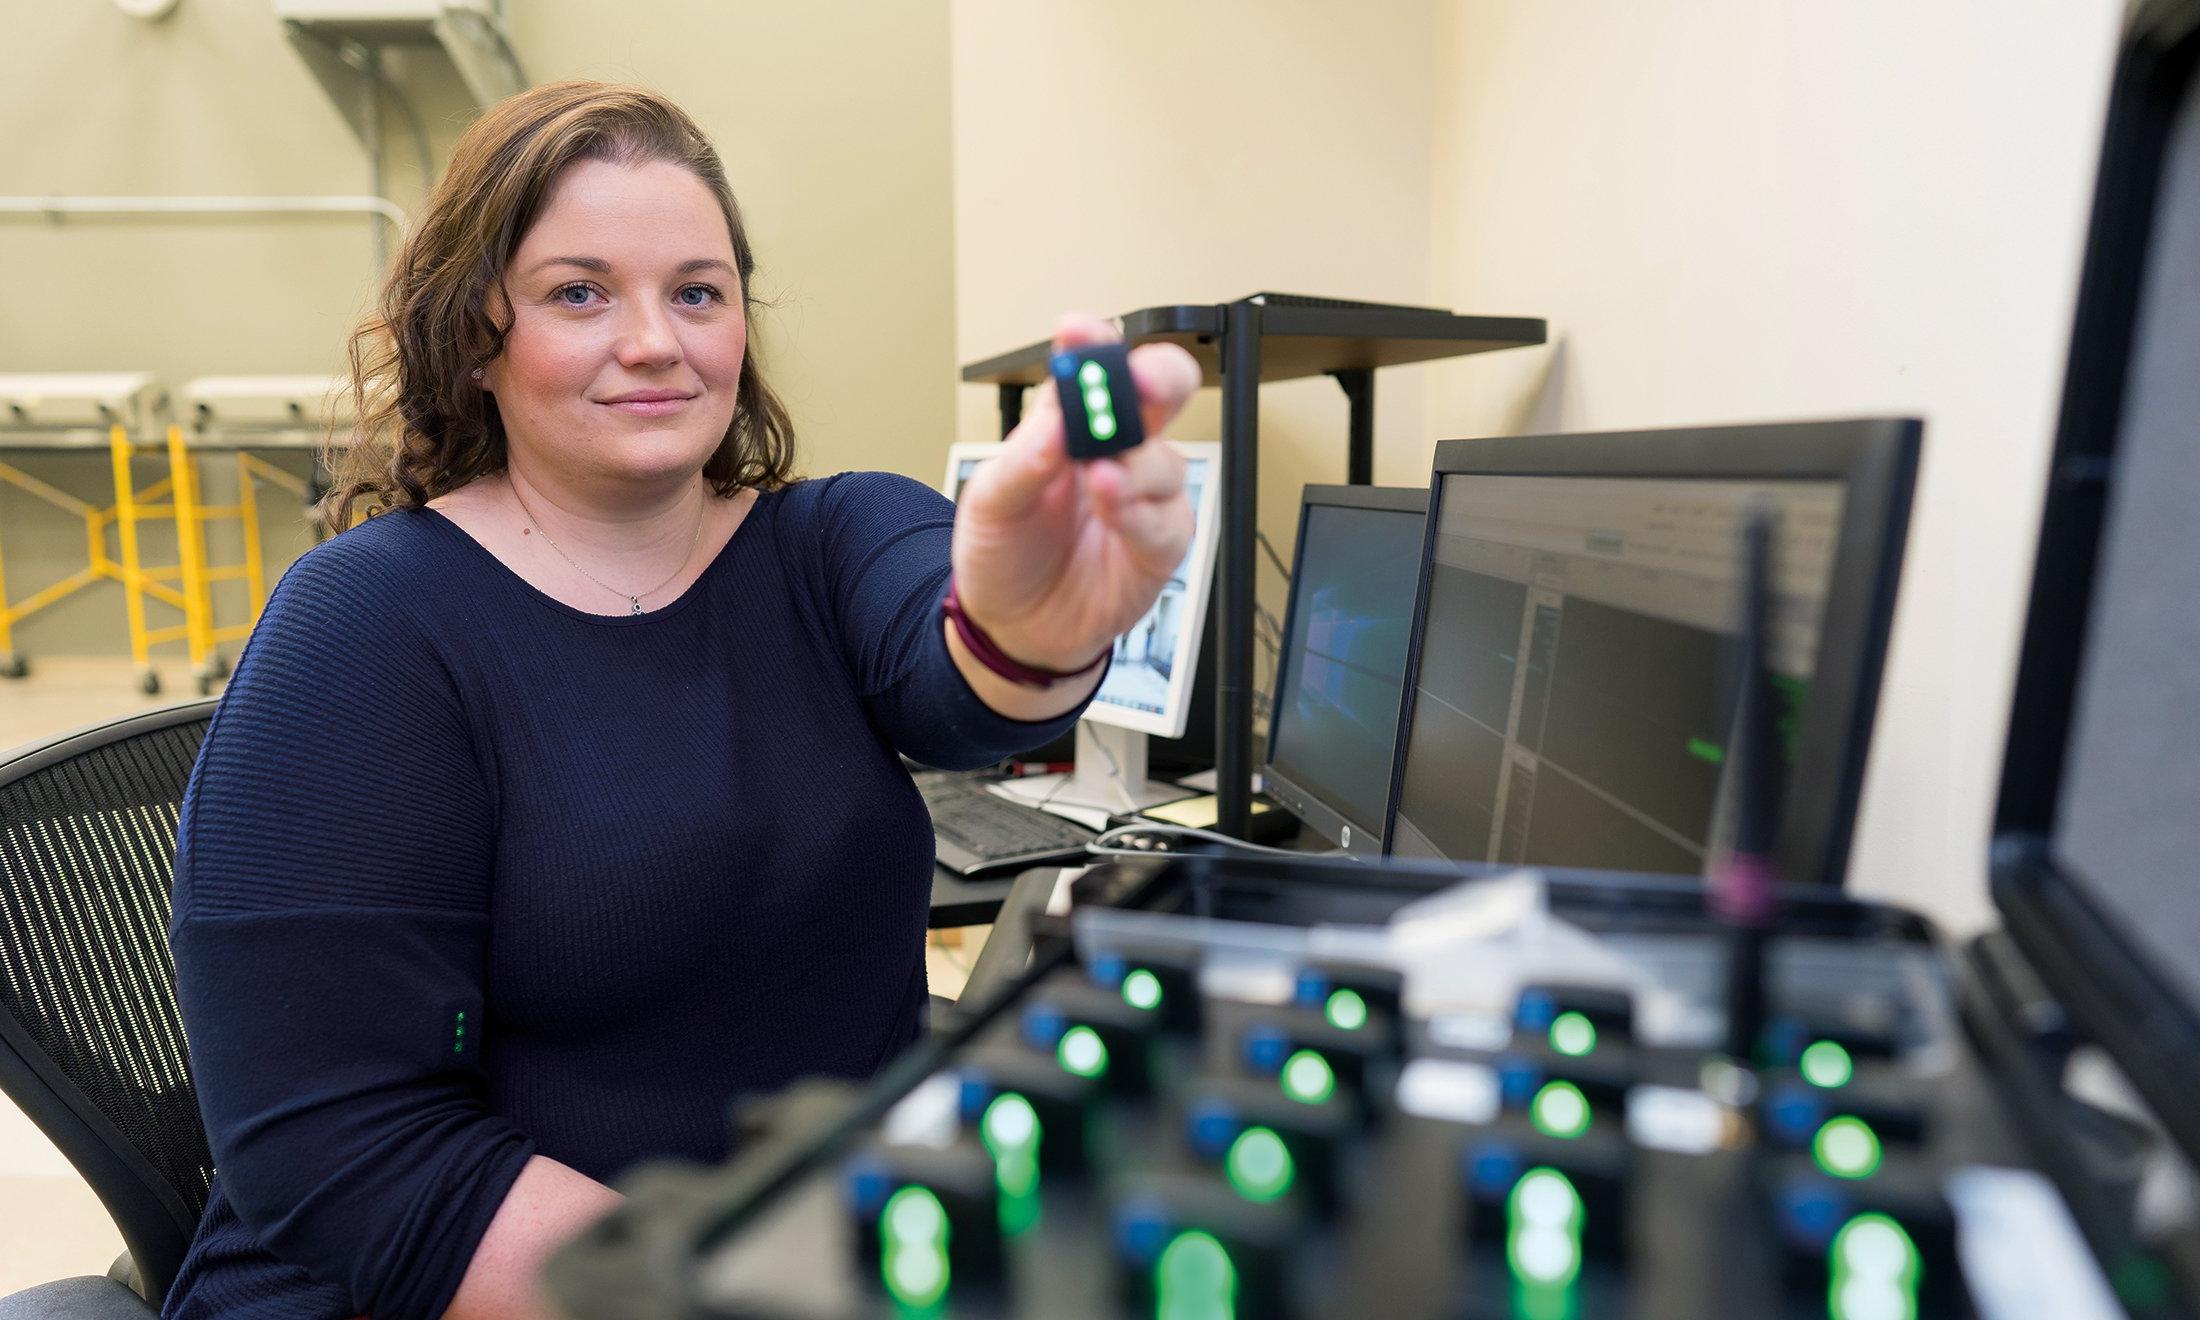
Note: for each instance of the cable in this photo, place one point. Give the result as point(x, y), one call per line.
point(1102, 844)
point(1273, 557)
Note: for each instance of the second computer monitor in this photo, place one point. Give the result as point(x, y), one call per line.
point(1335, 719)
point(1570, 693)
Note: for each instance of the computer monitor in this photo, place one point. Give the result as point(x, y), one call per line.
point(1335, 720)
point(1569, 690)
point(1148, 688)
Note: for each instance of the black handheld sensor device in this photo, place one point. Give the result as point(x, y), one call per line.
point(1099, 400)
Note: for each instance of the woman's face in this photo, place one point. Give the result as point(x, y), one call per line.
point(620, 369)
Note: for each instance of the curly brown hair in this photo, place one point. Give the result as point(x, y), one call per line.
point(425, 426)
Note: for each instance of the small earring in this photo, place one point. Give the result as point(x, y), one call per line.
point(477, 373)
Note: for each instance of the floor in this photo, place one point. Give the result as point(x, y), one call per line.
point(51, 1225)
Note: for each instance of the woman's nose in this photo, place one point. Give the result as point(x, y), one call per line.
point(646, 338)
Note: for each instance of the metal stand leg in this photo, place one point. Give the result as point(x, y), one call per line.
point(1012, 408)
point(1358, 384)
point(1234, 581)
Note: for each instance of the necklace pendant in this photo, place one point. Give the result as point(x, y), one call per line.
point(636, 602)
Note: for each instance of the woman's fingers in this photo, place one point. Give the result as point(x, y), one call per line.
point(1167, 378)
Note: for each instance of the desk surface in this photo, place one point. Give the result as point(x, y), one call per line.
point(960, 902)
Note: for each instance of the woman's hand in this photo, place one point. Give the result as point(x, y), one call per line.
point(1053, 558)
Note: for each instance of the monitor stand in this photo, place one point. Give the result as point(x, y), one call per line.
point(1110, 776)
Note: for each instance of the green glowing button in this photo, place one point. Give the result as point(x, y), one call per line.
point(1142, 989)
point(1543, 1241)
point(1873, 1269)
point(1259, 1165)
point(1308, 1078)
point(1102, 426)
point(913, 1241)
point(1827, 1064)
point(1846, 1147)
point(1010, 1124)
point(1573, 1035)
point(914, 1215)
point(1560, 1110)
point(1346, 1011)
point(1194, 1279)
point(1092, 375)
point(1082, 1052)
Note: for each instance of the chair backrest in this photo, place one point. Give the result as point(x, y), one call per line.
point(91, 1046)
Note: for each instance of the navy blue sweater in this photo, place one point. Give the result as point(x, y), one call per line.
point(467, 875)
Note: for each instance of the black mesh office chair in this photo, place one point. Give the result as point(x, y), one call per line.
point(91, 1047)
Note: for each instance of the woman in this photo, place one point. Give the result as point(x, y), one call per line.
point(560, 802)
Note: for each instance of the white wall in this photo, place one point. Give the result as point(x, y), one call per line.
point(1747, 209)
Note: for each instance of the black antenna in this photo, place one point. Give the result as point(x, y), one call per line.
point(1743, 882)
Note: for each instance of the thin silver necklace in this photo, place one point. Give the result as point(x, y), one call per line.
point(633, 598)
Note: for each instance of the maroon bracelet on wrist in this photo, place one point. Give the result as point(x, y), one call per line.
point(989, 653)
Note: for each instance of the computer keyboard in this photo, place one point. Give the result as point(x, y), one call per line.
point(975, 831)
point(1217, 1110)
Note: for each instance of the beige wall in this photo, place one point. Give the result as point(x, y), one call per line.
point(1738, 210)
point(1140, 153)
point(832, 117)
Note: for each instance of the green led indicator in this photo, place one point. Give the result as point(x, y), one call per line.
point(1827, 1064)
point(913, 1244)
point(1560, 1110)
point(1872, 1270)
point(458, 1046)
point(1308, 1078)
point(1346, 1011)
point(1083, 1053)
point(1142, 989)
point(1846, 1147)
point(1573, 1035)
point(1703, 749)
point(1099, 404)
point(1543, 1229)
point(1194, 1279)
point(1010, 1130)
point(1259, 1165)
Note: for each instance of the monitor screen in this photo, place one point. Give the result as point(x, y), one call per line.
point(1149, 684)
point(1343, 660)
point(1573, 695)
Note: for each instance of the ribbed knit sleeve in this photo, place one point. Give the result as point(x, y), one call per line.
point(883, 543)
point(332, 885)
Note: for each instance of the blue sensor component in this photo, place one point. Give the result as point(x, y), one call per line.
point(868, 1186)
point(1536, 1011)
point(1043, 1026)
point(1265, 1049)
point(1107, 970)
point(1793, 1114)
point(1212, 1129)
point(1141, 1231)
point(1312, 990)
point(1517, 1081)
point(1491, 1168)
point(971, 1100)
point(1810, 1212)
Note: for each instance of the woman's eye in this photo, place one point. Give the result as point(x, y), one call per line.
point(697, 295)
point(572, 295)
